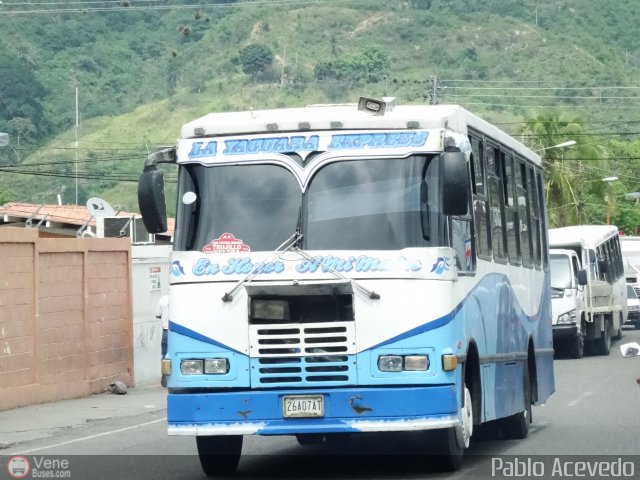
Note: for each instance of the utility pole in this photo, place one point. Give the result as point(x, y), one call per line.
point(434, 90)
point(76, 149)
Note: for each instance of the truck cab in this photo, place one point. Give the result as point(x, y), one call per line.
point(567, 301)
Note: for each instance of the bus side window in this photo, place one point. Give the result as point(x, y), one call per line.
point(480, 213)
point(543, 221)
point(496, 203)
point(534, 212)
point(511, 210)
point(461, 243)
point(523, 213)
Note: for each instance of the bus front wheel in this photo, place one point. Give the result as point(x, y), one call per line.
point(447, 445)
point(219, 455)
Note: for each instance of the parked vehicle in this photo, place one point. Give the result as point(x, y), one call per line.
point(630, 247)
point(595, 313)
point(567, 300)
point(633, 307)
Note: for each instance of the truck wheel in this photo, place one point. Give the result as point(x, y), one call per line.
point(605, 339)
point(577, 350)
point(219, 455)
point(618, 334)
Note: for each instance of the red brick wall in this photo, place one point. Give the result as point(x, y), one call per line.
point(65, 316)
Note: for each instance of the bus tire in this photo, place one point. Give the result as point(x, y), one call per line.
point(338, 439)
point(517, 426)
point(447, 445)
point(446, 449)
point(219, 455)
point(310, 438)
point(604, 343)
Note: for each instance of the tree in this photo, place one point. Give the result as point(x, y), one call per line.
point(5, 196)
point(571, 175)
point(370, 64)
point(21, 111)
point(255, 58)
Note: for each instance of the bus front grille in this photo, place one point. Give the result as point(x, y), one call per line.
point(302, 354)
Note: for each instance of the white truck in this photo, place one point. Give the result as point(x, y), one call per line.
point(588, 288)
point(630, 246)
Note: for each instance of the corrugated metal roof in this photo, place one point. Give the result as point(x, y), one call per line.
point(75, 215)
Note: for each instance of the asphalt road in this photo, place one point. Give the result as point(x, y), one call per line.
point(594, 416)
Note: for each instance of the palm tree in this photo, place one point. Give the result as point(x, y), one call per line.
point(569, 173)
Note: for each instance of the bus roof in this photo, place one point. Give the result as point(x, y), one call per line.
point(587, 236)
point(348, 117)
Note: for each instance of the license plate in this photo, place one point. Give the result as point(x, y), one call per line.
point(303, 406)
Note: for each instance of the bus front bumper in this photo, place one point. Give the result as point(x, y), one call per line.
point(345, 410)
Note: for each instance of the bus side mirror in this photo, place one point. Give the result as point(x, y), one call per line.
point(582, 277)
point(151, 201)
point(455, 183)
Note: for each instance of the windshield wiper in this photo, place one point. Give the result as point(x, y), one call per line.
point(292, 243)
point(282, 248)
point(370, 293)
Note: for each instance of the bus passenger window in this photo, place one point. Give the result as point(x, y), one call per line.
point(461, 243)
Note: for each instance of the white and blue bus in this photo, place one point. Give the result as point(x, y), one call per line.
point(341, 269)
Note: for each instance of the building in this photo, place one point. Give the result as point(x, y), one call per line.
point(149, 264)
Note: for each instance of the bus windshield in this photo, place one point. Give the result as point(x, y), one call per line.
point(381, 204)
point(560, 266)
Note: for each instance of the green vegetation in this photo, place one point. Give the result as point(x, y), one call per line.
point(551, 70)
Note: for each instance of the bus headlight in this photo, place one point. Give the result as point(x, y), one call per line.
point(209, 366)
point(390, 363)
point(416, 363)
point(191, 367)
point(216, 366)
point(398, 363)
point(567, 318)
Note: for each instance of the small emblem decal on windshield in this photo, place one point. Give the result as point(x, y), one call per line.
point(226, 243)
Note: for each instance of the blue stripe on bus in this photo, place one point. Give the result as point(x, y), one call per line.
point(187, 332)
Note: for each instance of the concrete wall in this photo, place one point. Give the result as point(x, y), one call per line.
point(150, 277)
point(65, 316)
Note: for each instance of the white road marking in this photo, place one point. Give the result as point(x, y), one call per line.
point(103, 434)
point(581, 397)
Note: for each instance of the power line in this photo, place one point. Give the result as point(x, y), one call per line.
point(130, 7)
